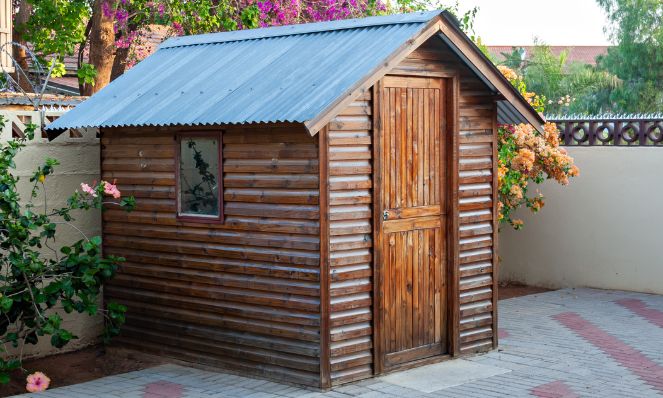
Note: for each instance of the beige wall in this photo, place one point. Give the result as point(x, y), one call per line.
point(604, 230)
point(79, 162)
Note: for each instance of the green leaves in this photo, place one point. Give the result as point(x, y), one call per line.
point(6, 304)
point(128, 203)
point(56, 26)
point(250, 17)
point(116, 318)
point(638, 57)
point(7, 366)
point(61, 338)
point(87, 74)
point(59, 69)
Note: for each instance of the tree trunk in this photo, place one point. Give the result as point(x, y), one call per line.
point(102, 49)
point(120, 63)
point(19, 53)
point(81, 53)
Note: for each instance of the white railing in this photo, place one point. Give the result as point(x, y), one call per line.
point(6, 36)
point(17, 120)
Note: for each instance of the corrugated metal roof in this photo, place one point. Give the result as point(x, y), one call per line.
point(282, 74)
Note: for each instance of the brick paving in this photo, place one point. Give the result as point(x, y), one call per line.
point(566, 343)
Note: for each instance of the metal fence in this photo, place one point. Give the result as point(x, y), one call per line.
point(610, 130)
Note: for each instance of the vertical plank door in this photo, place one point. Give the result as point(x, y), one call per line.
point(412, 260)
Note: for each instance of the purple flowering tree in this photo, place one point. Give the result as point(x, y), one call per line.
point(112, 35)
point(132, 17)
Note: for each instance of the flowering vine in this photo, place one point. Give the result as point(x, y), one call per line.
point(536, 101)
point(525, 155)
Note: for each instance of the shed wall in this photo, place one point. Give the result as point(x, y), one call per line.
point(243, 294)
point(350, 176)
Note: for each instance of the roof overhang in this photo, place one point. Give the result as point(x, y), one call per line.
point(512, 108)
point(427, 31)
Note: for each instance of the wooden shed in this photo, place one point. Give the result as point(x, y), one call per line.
point(316, 203)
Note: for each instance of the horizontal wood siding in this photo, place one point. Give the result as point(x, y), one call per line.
point(243, 294)
point(475, 193)
point(350, 239)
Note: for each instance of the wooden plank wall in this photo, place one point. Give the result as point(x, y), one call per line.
point(243, 294)
point(350, 241)
point(477, 226)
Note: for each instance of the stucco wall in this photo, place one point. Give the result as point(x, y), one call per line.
point(604, 230)
point(79, 160)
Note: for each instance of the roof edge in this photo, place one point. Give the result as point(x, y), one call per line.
point(431, 27)
point(445, 24)
point(453, 35)
point(307, 28)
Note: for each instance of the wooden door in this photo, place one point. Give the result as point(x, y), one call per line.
point(411, 150)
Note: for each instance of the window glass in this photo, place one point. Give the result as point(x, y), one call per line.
point(199, 176)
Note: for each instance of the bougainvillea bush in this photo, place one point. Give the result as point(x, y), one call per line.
point(130, 17)
point(525, 155)
point(40, 277)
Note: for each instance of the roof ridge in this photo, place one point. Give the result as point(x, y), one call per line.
point(306, 28)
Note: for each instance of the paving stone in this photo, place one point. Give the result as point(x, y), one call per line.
point(622, 358)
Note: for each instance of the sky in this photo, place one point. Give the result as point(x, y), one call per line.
point(555, 22)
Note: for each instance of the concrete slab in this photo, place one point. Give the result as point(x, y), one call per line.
point(443, 375)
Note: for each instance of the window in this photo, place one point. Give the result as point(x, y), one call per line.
point(200, 179)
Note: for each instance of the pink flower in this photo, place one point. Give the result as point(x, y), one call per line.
point(106, 9)
point(177, 28)
point(111, 189)
point(121, 16)
point(37, 382)
point(88, 190)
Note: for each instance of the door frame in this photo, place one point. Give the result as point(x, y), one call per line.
point(451, 123)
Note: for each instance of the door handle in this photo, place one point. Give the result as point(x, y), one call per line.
point(385, 215)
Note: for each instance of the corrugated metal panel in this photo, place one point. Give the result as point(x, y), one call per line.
point(290, 78)
point(507, 114)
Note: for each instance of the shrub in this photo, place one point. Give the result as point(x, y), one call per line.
point(37, 281)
